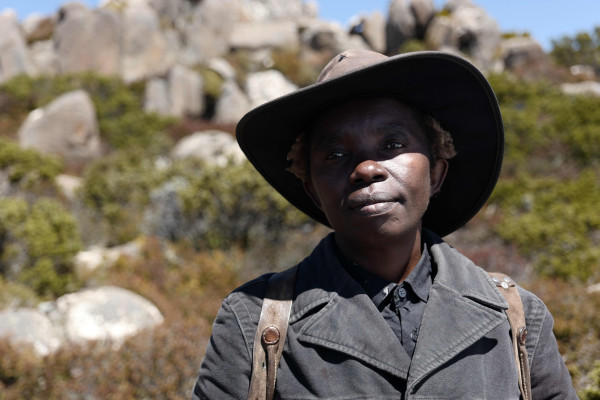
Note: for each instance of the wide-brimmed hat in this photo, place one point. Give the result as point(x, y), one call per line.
point(446, 86)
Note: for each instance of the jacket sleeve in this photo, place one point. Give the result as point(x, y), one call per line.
point(225, 370)
point(550, 378)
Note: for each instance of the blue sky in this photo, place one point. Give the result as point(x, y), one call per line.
point(543, 19)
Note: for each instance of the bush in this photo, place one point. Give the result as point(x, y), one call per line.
point(122, 121)
point(592, 392)
point(556, 222)
point(37, 243)
point(27, 169)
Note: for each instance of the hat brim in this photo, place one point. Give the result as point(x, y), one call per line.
point(448, 87)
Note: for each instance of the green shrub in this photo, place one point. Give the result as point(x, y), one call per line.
point(122, 121)
point(27, 169)
point(234, 205)
point(592, 392)
point(583, 48)
point(554, 221)
point(37, 243)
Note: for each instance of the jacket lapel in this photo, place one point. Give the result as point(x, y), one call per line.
point(347, 321)
point(463, 307)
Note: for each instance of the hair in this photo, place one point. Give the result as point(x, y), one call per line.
point(441, 145)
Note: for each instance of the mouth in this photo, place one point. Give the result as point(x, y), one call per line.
point(371, 204)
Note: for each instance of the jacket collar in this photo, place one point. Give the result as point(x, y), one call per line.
point(332, 311)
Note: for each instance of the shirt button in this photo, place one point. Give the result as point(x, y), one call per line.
point(401, 292)
point(414, 335)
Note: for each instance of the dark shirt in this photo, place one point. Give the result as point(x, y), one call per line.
point(401, 305)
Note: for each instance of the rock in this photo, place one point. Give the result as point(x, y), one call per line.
point(68, 185)
point(14, 54)
point(595, 288)
point(208, 31)
point(272, 10)
point(44, 57)
point(95, 257)
point(88, 41)
point(181, 93)
point(590, 88)
point(267, 85)
point(106, 313)
point(583, 72)
point(214, 147)
point(156, 96)
point(524, 56)
point(278, 34)
point(232, 104)
point(67, 127)
point(31, 327)
point(171, 10)
point(424, 12)
point(38, 27)
point(186, 93)
point(401, 25)
point(144, 47)
point(373, 31)
point(469, 30)
point(330, 38)
point(222, 67)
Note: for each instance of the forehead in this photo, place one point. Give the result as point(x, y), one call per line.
point(366, 115)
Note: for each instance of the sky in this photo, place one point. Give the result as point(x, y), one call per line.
point(543, 19)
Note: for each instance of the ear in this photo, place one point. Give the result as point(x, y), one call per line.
point(310, 191)
point(437, 175)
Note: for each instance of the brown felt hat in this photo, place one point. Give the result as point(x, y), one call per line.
point(445, 86)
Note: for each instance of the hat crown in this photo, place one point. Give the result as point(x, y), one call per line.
point(349, 61)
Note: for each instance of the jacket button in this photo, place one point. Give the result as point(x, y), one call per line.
point(401, 293)
point(414, 335)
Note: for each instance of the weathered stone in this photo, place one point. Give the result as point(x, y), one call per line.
point(524, 56)
point(144, 47)
point(186, 92)
point(424, 11)
point(271, 10)
point(468, 29)
point(44, 57)
point(584, 72)
point(89, 260)
point(232, 104)
point(401, 24)
point(14, 55)
point(214, 147)
point(278, 34)
point(67, 127)
point(590, 88)
point(373, 31)
point(164, 218)
point(106, 313)
point(171, 10)
point(330, 37)
point(222, 67)
point(38, 27)
point(156, 96)
point(207, 33)
point(89, 41)
point(31, 327)
point(267, 85)
point(68, 185)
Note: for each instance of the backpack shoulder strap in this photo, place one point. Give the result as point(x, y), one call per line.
point(518, 329)
point(271, 333)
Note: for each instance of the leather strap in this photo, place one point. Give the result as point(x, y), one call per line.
point(518, 329)
point(271, 333)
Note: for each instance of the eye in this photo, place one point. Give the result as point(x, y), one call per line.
point(334, 155)
point(393, 145)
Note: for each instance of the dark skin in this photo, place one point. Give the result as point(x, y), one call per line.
point(371, 175)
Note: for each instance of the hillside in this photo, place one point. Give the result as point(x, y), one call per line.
point(125, 201)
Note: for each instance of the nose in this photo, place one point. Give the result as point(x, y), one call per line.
point(368, 171)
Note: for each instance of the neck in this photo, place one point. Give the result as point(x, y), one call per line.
point(393, 260)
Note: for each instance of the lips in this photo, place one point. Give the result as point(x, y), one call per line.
point(363, 200)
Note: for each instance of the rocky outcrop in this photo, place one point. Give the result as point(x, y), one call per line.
point(524, 56)
point(67, 127)
point(107, 314)
point(589, 88)
point(14, 53)
point(88, 41)
point(179, 94)
point(468, 29)
point(267, 85)
point(213, 147)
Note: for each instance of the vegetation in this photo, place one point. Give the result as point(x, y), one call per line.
point(582, 49)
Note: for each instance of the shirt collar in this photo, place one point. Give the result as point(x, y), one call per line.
point(378, 288)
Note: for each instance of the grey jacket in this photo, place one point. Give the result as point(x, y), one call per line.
point(340, 347)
